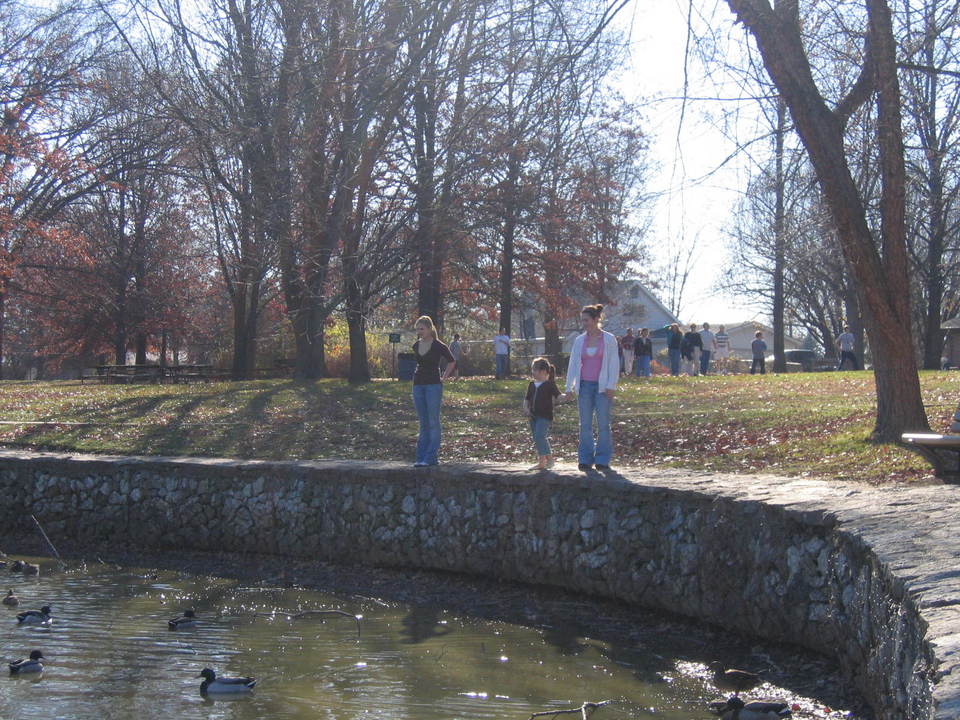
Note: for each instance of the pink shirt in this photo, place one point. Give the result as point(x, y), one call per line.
point(591, 361)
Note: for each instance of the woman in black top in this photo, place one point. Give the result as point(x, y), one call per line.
point(428, 389)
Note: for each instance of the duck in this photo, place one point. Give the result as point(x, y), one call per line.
point(34, 617)
point(187, 620)
point(213, 685)
point(733, 708)
point(28, 665)
point(16, 566)
point(10, 600)
point(30, 569)
point(733, 679)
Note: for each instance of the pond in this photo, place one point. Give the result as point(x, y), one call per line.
point(109, 654)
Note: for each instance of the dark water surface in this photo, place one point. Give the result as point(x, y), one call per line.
point(109, 654)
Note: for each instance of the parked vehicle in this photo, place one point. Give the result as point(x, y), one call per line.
point(808, 360)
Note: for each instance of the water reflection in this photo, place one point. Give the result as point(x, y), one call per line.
point(110, 655)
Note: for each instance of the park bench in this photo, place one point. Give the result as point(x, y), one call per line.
point(943, 452)
point(126, 373)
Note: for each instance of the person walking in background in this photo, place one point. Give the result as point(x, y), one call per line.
point(456, 349)
point(709, 342)
point(674, 348)
point(691, 355)
point(643, 353)
point(627, 343)
point(845, 344)
point(501, 352)
point(721, 342)
point(428, 389)
point(759, 349)
point(592, 374)
point(538, 404)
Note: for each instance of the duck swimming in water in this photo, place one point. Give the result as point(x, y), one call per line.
point(213, 685)
point(28, 665)
point(735, 680)
point(187, 620)
point(34, 617)
point(10, 600)
point(30, 569)
point(735, 709)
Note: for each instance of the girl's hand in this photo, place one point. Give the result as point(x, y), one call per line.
point(610, 394)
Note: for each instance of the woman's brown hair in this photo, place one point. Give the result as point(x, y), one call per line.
point(594, 311)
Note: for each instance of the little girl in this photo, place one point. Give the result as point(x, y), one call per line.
point(538, 405)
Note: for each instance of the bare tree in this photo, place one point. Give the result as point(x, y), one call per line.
point(932, 108)
point(879, 263)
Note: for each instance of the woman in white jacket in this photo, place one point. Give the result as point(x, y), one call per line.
point(592, 374)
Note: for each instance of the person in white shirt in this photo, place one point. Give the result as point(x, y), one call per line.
point(722, 343)
point(501, 352)
point(845, 344)
point(627, 343)
point(592, 374)
point(709, 348)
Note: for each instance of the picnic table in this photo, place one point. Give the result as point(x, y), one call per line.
point(186, 373)
point(114, 374)
point(126, 373)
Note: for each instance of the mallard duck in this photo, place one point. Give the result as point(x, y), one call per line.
point(11, 600)
point(34, 617)
point(735, 709)
point(30, 569)
point(28, 665)
point(732, 679)
point(187, 620)
point(16, 566)
point(212, 684)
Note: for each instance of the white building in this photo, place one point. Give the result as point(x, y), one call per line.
point(743, 333)
point(632, 305)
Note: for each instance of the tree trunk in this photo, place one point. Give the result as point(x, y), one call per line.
point(779, 262)
point(357, 330)
point(141, 348)
point(511, 207)
point(3, 321)
point(880, 272)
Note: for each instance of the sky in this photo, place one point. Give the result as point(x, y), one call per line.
point(695, 186)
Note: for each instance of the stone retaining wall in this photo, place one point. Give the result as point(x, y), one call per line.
point(869, 576)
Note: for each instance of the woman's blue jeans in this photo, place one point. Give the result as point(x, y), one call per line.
point(643, 365)
point(674, 361)
point(426, 399)
point(540, 427)
point(593, 402)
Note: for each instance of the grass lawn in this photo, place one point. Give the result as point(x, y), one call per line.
point(812, 424)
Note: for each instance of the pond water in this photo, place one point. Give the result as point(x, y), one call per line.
point(109, 655)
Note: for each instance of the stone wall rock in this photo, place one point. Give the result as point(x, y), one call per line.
point(867, 575)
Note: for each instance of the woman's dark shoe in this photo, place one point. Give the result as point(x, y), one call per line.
point(602, 467)
point(584, 467)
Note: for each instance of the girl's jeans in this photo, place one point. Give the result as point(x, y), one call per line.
point(540, 427)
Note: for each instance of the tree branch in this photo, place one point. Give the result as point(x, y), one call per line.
point(584, 710)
